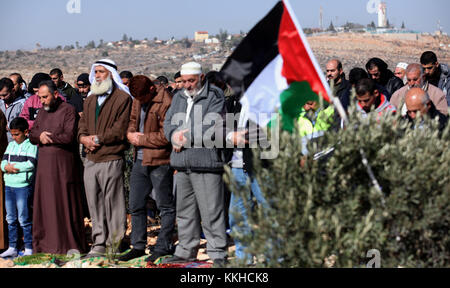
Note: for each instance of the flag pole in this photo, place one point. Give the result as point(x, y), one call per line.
point(337, 103)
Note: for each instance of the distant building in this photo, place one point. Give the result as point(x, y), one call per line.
point(201, 36)
point(382, 15)
point(212, 41)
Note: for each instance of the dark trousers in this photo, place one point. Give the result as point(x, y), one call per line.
point(143, 180)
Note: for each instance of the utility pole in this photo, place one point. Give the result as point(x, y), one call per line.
point(321, 19)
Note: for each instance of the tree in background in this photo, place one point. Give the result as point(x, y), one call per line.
point(90, 45)
point(331, 27)
point(222, 36)
point(186, 43)
point(372, 25)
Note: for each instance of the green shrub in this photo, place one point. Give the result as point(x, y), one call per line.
point(330, 206)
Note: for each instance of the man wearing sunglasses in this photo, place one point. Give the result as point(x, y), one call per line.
point(435, 73)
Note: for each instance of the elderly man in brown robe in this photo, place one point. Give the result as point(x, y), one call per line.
point(58, 224)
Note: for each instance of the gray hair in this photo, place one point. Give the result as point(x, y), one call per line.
point(414, 67)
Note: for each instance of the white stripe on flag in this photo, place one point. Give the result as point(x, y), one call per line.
point(263, 96)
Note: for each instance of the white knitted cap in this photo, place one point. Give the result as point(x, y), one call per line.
point(191, 68)
point(402, 65)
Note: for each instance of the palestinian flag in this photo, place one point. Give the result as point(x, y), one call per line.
point(274, 69)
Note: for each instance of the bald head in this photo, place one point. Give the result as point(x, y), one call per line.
point(334, 70)
point(417, 100)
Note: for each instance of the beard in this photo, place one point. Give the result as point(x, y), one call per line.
point(83, 94)
point(195, 91)
point(100, 88)
point(10, 99)
point(50, 107)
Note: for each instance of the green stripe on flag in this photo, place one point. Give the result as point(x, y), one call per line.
point(292, 101)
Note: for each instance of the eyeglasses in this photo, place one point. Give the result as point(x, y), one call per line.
point(427, 68)
point(83, 85)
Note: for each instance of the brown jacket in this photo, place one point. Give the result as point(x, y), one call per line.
point(436, 96)
point(111, 127)
point(156, 148)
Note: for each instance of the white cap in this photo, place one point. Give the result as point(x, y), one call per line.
point(191, 68)
point(402, 65)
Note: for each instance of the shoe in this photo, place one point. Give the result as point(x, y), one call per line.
point(133, 254)
point(155, 256)
point(220, 263)
point(177, 260)
point(10, 253)
point(171, 250)
point(93, 254)
point(28, 252)
point(124, 245)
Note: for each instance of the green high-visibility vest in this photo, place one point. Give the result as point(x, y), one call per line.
point(321, 121)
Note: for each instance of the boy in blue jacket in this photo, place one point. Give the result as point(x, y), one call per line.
point(19, 163)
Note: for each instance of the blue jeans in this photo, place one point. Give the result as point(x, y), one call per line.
point(237, 206)
point(17, 202)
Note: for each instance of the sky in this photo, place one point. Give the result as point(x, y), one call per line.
point(48, 22)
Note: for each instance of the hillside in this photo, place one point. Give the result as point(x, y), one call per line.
point(161, 59)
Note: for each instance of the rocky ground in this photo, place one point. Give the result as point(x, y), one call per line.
point(353, 49)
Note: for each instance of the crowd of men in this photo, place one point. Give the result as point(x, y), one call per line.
point(66, 152)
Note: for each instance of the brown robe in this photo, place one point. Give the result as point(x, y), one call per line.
point(3, 144)
point(58, 224)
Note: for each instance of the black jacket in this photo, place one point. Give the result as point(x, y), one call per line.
point(232, 105)
point(343, 92)
point(393, 83)
point(433, 113)
point(72, 97)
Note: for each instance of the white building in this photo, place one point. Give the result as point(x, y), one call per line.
point(382, 15)
point(212, 41)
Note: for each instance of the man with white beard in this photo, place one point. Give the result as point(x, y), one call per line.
point(200, 195)
point(102, 131)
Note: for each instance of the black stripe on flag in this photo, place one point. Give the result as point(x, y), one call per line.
point(254, 53)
